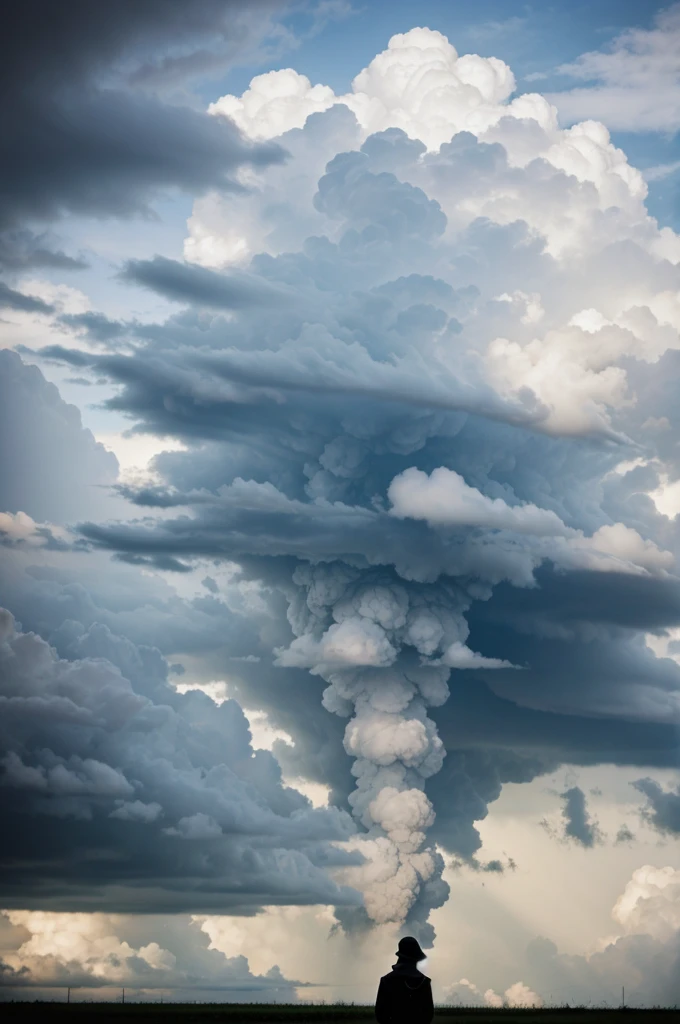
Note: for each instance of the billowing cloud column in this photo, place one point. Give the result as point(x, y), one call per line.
point(371, 639)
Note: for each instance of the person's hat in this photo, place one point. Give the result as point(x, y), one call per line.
point(409, 949)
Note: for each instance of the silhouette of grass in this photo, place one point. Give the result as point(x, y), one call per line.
point(155, 1012)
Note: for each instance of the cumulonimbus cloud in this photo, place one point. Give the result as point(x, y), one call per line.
point(439, 453)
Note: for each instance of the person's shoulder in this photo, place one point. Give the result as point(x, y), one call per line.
point(392, 978)
point(425, 977)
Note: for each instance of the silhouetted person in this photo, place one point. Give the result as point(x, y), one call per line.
point(405, 995)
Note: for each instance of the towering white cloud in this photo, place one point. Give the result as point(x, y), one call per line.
point(274, 103)
point(351, 630)
point(419, 84)
point(650, 903)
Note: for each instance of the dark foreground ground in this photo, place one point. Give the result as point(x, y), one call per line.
point(258, 1013)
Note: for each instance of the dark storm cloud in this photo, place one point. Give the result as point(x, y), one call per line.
point(474, 718)
point(77, 138)
point(115, 153)
point(184, 282)
point(578, 636)
point(472, 778)
point(489, 738)
point(97, 327)
point(282, 528)
point(493, 740)
point(11, 299)
point(63, 606)
point(141, 790)
point(662, 808)
point(61, 602)
point(578, 824)
point(22, 249)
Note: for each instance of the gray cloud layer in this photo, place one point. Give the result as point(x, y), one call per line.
point(138, 792)
point(77, 138)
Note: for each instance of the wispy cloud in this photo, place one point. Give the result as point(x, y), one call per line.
point(633, 84)
point(661, 171)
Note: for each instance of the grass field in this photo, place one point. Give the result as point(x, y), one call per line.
point(258, 1013)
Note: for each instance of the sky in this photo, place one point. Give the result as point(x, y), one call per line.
point(339, 485)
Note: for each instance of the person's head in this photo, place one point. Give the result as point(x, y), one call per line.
point(409, 949)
